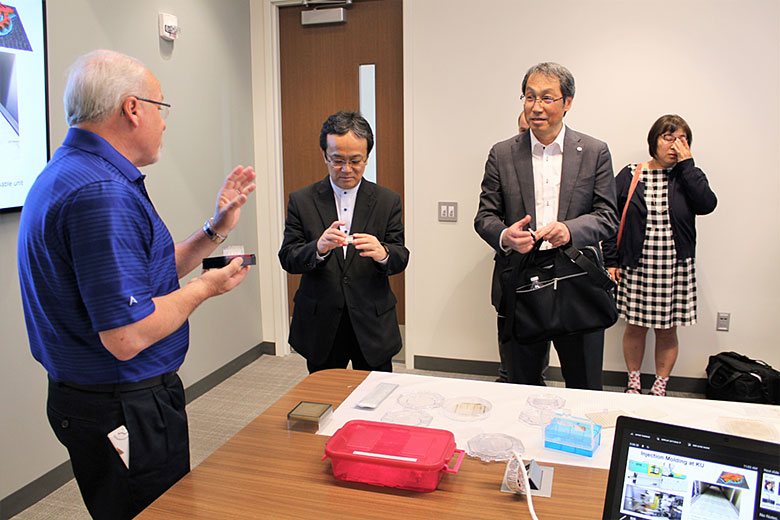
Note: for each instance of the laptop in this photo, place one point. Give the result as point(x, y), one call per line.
point(662, 471)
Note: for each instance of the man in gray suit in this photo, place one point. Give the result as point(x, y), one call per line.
point(555, 184)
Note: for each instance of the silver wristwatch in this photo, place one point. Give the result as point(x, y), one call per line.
point(213, 235)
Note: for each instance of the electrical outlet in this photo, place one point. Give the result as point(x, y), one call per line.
point(722, 322)
point(448, 211)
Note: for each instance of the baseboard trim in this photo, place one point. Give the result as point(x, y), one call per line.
point(41, 487)
point(458, 366)
point(199, 388)
point(610, 378)
point(36, 490)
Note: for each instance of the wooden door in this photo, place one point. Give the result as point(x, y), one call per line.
point(319, 76)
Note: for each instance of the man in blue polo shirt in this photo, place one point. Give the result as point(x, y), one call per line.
point(99, 275)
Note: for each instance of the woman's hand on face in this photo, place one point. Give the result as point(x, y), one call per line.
point(682, 149)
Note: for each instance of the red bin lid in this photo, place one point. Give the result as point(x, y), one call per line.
point(391, 444)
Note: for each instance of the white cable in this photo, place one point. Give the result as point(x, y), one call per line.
point(526, 485)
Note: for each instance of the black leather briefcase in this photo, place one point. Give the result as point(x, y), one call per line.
point(556, 292)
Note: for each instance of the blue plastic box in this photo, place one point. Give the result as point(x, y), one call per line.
point(573, 435)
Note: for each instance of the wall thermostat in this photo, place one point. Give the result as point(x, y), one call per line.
point(169, 26)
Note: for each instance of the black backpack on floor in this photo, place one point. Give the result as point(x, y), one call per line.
point(734, 377)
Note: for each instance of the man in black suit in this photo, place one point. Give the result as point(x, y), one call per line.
point(345, 236)
point(555, 184)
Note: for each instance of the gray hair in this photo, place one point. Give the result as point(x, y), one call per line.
point(98, 83)
point(553, 70)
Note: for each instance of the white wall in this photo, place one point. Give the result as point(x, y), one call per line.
point(206, 75)
point(715, 62)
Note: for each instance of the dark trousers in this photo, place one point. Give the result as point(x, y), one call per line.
point(345, 348)
point(159, 443)
point(503, 373)
point(581, 356)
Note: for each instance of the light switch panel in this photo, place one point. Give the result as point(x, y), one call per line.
point(448, 211)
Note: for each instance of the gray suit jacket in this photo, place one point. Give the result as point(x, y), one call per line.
point(587, 203)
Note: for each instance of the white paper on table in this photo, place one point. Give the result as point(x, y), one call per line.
point(509, 400)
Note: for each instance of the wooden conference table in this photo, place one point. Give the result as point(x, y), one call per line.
point(266, 471)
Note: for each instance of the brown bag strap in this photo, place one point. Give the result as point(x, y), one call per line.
point(634, 181)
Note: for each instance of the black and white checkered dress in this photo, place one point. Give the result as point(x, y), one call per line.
point(660, 292)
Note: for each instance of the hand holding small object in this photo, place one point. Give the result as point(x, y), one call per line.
point(556, 233)
point(222, 280)
point(332, 237)
point(518, 239)
point(369, 245)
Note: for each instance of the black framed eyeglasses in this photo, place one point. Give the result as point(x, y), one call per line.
point(165, 108)
point(547, 100)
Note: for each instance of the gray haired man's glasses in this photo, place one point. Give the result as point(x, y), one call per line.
point(547, 100)
point(165, 108)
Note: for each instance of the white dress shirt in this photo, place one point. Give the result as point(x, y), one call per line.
point(345, 207)
point(547, 164)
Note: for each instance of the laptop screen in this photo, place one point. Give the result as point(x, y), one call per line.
point(663, 471)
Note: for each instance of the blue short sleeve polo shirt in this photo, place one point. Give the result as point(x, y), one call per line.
point(92, 254)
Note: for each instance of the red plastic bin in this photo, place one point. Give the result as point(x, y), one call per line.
point(392, 455)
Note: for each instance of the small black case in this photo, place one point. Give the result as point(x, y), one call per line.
point(217, 262)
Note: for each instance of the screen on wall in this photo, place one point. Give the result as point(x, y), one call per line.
point(24, 141)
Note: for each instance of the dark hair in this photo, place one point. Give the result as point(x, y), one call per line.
point(667, 124)
point(553, 70)
point(344, 122)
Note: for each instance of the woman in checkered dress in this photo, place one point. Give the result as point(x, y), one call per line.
point(654, 260)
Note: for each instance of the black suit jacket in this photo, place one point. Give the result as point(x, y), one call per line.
point(586, 202)
point(354, 284)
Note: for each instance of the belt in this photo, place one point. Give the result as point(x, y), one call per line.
point(110, 388)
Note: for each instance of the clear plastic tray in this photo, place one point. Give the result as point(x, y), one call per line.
point(536, 417)
point(546, 401)
point(420, 400)
point(494, 446)
point(748, 428)
point(409, 417)
point(467, 408)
